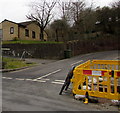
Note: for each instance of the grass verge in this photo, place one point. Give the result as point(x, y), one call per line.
point(12, 63)
point(30, 42)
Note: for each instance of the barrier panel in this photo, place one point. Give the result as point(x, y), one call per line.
point(97, 78)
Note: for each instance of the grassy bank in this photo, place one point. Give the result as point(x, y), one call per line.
point(12, 63)
point(30, 42)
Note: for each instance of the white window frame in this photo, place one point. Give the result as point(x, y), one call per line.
point(11, 30)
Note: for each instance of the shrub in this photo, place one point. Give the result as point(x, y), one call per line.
point(15, 39)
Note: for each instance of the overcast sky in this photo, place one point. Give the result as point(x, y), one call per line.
point(16, 10)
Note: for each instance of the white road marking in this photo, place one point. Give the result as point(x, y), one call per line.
point(4, 77)
point(34, 80)
point(38, 80)
point(19, 79)
point(76, 62)
point(58, 83)
point(22, 79)
point(48, 74)
point(7, 78)
point(29, 79)
point(60, 80)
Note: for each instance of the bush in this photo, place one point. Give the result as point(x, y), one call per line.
point(3, 64)
point(15, 39)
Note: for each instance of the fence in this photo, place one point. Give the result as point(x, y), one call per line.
point(97, 78)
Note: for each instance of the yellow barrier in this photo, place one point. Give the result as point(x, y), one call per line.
point(97, 78)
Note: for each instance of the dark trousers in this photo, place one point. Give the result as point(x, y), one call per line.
point(65, 86)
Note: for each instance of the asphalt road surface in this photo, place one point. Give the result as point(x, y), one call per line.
point(37, 88)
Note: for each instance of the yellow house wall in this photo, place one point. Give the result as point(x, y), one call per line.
point(22, 33)
point(0, 25)
point(31, 27)
point(19, 32)
point(6, 25)
point(1, 36)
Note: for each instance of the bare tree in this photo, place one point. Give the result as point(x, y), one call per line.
point(71, 10)
point(116, 4)
point(77, 8)
point(42, 13)
point(65, 9)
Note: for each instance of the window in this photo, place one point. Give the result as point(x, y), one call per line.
point(11, 30)
point(27, 32)
point(33, 34)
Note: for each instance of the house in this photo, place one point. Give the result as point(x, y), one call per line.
point(29, 30)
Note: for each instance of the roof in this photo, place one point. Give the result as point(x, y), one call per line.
point(8, 21)
point(24, 24)
point(21, 24)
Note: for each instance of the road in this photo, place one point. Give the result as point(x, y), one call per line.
point(37, 88)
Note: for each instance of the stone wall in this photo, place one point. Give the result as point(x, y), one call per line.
point(93, 45)
point(60, 51)
point(46, 51)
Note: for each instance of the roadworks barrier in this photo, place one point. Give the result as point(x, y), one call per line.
point(97, 78)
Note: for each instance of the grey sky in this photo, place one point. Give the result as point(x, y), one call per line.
point(16, 10)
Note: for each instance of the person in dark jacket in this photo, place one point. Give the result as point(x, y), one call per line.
point(67, 80)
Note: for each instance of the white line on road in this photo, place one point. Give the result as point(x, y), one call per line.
point(48, 74)
point(60, 80)
point(76, 62)
point(29, 79)
point(7, 78)
point(38, 80)
point(35, 80)
point(19, 79)
point(4, 77)
point(58, 83)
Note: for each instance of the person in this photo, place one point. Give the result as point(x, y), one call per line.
point(67, 80)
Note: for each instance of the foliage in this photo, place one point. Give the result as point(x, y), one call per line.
point(15, 39)
point(60, 28)
point(86, 22)
point(109, 19)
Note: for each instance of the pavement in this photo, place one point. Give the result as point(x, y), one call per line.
point(30, 60)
